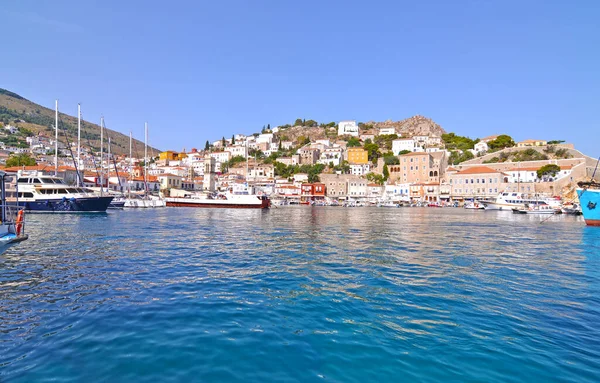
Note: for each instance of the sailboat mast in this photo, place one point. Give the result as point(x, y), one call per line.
point(78, 143)
point(146, 157)
point(101, 154)
point(56, 141)
point(108, 164)
point(130, 168)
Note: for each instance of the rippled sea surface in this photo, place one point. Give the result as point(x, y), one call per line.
point(302, 294)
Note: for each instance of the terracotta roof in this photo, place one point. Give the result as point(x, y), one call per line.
point(478, 170)
point(169, 175)
point(414, 154)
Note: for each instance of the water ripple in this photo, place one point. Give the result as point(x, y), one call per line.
point(301, 294)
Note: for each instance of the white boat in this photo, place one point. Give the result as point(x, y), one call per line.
point(514, 200)
point(536, 209)
point(221, 200)
point(144, 202)
point(12, 227)
point(474, 205)
point(41, 193)
point(388, 204)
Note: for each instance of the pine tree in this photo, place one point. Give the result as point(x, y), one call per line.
point(268, 126)
point(207, 146)
point(232, 139)
point(223, 141)
point(386, 172)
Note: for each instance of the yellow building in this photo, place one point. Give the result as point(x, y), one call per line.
point(168, 155)
point(358, 156)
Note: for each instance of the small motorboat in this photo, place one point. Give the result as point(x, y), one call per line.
point(475, 205)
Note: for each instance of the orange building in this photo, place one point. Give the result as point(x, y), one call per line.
point(358, 156)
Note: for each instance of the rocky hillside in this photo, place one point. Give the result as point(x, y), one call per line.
point(22, 113)
point(416, 125)
point(413, 126)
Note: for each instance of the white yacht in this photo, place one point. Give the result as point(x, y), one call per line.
point(48, 194)
point(515, 200)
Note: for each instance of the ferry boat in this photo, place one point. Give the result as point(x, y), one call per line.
point(221, 200)
point(514, 200)
point(589, 200)
point(12, 225)
point(48, 194)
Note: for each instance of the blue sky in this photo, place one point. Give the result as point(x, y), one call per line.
point(198, 70)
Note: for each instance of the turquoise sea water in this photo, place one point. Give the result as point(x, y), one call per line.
point(302, 295)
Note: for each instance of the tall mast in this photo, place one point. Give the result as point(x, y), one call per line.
point(56, 141)
point(78, 142)
point(108, 164)
point(101, 154)
point(145, 157)
point(130, 168)
point(247, 174)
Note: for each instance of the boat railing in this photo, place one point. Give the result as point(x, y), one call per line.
point(11, 213)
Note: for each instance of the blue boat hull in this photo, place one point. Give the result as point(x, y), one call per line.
point(79, 205)
point(589, 199)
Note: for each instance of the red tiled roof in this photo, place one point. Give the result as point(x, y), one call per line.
point(478, 170)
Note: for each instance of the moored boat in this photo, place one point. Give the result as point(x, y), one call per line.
point(221, 200)
point(474, 205)
point(514, 200)
point(49, 194)
point(589, 200)
point(536, 209)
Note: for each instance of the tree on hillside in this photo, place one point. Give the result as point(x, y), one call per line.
point(548, 170)
point(298, 122)
point(391, 160)
point(22, 159)
point(455, 142)
point(232, 139)
point(207, 146)
point(268, 126)
point(311, 123)
point(353, 142)
point(375, 178)
point(223, 143)
point(386, 172)
point(501, 142)
point(404, 152)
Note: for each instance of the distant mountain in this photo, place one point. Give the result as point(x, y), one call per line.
point(20, 112)
point(413, 126)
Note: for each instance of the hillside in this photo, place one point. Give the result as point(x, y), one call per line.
point(413, 126)
point(22, 113)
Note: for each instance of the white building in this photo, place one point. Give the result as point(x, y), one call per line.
point(349, 128)
point(264, 138)
point(331, 156)
point(357, 189)
point(360, 169)
point(401, 144)
point(481, 147)
point(387, 131)
point(237, 150)
point(220, 157)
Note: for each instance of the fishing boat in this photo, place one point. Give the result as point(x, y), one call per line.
point(12, 227)
point(571, 209)
point(589, 200)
